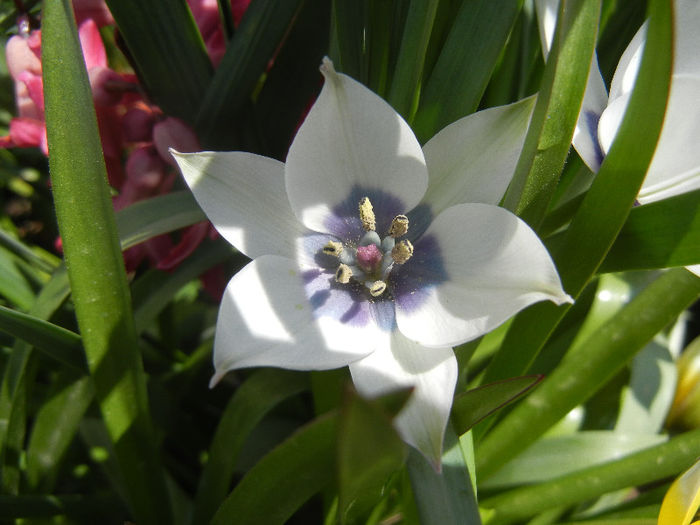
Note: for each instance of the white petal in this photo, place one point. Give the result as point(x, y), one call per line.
point(628, 66)
point(267, 319)
point(610, 121)
point(351, 140)
point(484, 265)
point(694, 268)
point(686, 59)
point(547, 21)
point(244, 197)
point(473, 159)
point(675, 168)
point(432, 372)
point(595, 99)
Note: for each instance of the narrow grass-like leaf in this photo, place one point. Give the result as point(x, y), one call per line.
point(654, 463)
point(285, 478)
point(148, 218)
point(658, 235)
point(472, 406)
point(12, 393)
point(556, 112)
point(167, 52)
point(349, 23)
point(46, 264)
point(262, 29)
point(369, 451)
point(551, 457)
point(584, 371)
point(253, 399)
point(606, 206)
point(56, 342)
point(95, 265)
point(408, 73)
point(155, 289)
point(55, 426)
point(447, 497)
point(466, 61)
point(14, 287)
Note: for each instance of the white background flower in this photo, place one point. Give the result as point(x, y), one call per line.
point(473, 265)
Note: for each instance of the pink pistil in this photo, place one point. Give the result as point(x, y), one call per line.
point(369, 257)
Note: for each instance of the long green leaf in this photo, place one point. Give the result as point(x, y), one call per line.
point(466, 62)
point(155, 289)
point(146, 219)
point(595, 361)
point(95, 266)
point(55, 426)
point(408, 73)
point(167, 52)
point(255, 397)
point(658, 235)
point(472, 406)
point(364, 470)
point(556, 111)
point(261, 31)
point(56, 342)
point(285, 478)
point(607, 203)
point(447, 497)
point(643, 467)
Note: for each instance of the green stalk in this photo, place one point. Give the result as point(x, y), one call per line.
point(584, 371)
point(95, 266)
point(651, 464)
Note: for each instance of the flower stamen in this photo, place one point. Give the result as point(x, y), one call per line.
point(376, 288)
point(333, 248)
point(367, 215)
point(399, 226)
point(343, 274)
point(402, 252)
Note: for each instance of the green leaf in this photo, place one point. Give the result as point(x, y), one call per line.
point(584, 371)
point(261, 392)
point(261, 31)
point(556, 112)
point(408, 73)
point(14, 286)
point(472, 406)
point(466, 61)
point(637, 469)
point(54, 429)
point(551, 457)
point(56, 342)
point(447, 497)
point(145, 219)
point(606, 204)
point(155, 289)
point(95, 265)
point(285, 478)
point(167, 52)
point(658, 235)
point(369, 452)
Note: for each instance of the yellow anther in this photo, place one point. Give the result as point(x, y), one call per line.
point(333, 248)
point(402, 252)
point(399, 226)
point(377, 288)
point(367, 215)
point(343, 274)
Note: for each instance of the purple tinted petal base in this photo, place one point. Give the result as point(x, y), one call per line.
point(411, 282)
point(345, 222)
